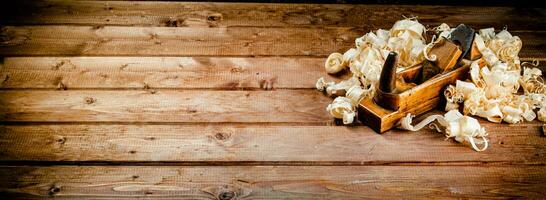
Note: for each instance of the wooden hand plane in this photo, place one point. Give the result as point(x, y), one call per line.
point(419, 88)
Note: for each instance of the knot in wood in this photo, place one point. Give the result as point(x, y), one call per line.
point(61, 140)
point(146, 86)
point(237, 69)
point(226, 195)
point(222, 136)
point(61, 86)
point(171, 23)
point(214, 17)
point(54, 190)
point(89, 100)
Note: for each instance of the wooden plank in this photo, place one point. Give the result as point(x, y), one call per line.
point(227, 73)
point(184, 14)
point(259, 144)
point(161, 72)
point(167, 41)
point(290, 106)
point(272, 182)
point(195, 41)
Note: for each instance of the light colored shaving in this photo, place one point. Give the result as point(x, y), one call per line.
point(365, 61)
point(493, 90)
point(456, 126)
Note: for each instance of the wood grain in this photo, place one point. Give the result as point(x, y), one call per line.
point(178, 100)
point(196, 41)
point(259, 144)
point(226, 73)
point(290, 106)
point(186, 14)
point(230, 73)
point(272, 182)
point(167, 41)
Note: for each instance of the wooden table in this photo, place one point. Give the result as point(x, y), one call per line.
point(217, 100)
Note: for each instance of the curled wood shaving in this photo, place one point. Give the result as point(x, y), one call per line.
point(336, 89)
point(357, 93)
point(334, 63)
point(367, 58)
point(493, 114)
point(321, 85)
point(410, 26)
point(492, 92)
point(443, 30)
point(461, 128)
point(427, 48)
point(342, 108)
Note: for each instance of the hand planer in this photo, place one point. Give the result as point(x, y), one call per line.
point(419, 88)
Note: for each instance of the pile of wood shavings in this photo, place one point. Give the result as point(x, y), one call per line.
point(365, 63)
point(491, 93)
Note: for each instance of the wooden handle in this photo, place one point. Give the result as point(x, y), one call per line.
point(387, 80)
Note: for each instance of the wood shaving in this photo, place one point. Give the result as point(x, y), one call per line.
point(342, 108)
point(334, 63)
point(366, 60)
point(455, 125)
point(492, 91)
point(357, 93)
point(336, 89)
point(443, 30)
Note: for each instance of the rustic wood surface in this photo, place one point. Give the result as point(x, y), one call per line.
point(182, 100)
point(273, 182)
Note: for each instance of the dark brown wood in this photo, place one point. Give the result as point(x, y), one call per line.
point(387, 80)
point(190, 14)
